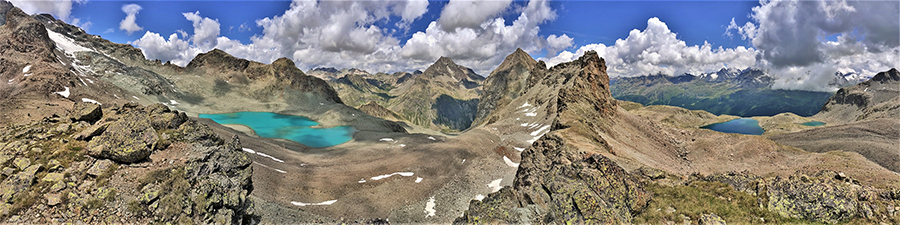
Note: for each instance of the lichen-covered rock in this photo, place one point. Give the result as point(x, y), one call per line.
point(127, 140)
point(711, 219)
point(88, 112)
point(826, 196)
point(555, 184)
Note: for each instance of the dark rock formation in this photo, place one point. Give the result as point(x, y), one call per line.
point(554, 184)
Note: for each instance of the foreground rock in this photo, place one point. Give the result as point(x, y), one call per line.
point(555, 185)
point(148, 164)
point(826, 196)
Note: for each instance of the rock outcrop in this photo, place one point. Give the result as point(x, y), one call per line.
point(556, 184)
point(135, 165)
point(560, 180)
point(826, 196)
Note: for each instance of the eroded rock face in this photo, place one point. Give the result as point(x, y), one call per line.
point(554, 184)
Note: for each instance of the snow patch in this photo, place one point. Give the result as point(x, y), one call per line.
point(479, 197)
point(26, 69)
point(64, 93)
point(509, 162)
point(524, 105)
point(429, 207)
point(90, 100)
point(418, 179)
point(386, 139)
point(173, 102)
point(320, 203)
point(361, 180)
point(531, 114)
point(135, 97)
point(269, 156)
point(267, 167)
point(261, 154)
point(431, 138)
point(405, 174)
point(495, 185)
point(64, 43)
point(538, 132)
point(27, 74)
point(519, 149)
point(402, 145)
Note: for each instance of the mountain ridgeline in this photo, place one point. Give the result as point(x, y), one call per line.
point(443, 97)
point(742, 93)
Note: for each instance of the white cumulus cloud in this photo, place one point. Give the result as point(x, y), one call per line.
point(176, 50)
point(657, 50)
point(469, 13)
point(128, 24)
point(347, 34)
point(558, 43)
point(62, 9)
point(206, 30)
point(791, 37)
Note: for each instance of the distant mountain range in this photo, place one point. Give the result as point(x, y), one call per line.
point(730, 91)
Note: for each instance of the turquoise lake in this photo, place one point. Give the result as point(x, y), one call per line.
point(738, 126)
point(294, 128)
point(813, 123)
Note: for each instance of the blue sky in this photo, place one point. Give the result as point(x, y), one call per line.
point(801, 42)
point(586, 21)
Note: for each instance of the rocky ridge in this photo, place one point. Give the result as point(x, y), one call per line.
point(123, 164)
point(875, 98)
point(560, 180)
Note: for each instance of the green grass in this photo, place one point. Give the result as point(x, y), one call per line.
point(700, 198)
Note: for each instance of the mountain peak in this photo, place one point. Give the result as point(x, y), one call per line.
point(519, 56)
point(218, 59)
point(889, 75)
point(444, 61)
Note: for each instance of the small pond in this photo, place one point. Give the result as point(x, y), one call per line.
point(738, 126)
point(813, 123)
point(294, 128)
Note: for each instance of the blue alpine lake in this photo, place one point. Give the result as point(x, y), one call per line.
point(738, 126)
point(813, 123)
point(294, 128)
